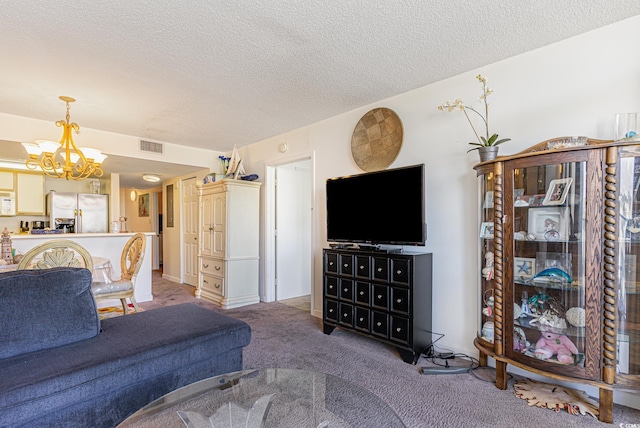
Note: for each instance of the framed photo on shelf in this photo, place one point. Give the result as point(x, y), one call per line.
point(536, 200)
point(553, 260)
point(549, 224)
point(486, 230)
point(557, 191)
point(524, 267)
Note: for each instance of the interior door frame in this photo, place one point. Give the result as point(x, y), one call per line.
point(155, 251)
point(183, 219)
point(269, 250)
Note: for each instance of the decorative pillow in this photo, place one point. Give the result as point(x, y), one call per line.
point(45, 308)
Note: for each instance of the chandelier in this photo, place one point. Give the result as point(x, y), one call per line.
point(78, 163)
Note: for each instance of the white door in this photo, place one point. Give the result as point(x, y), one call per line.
point(190, 234)
point(293, 230)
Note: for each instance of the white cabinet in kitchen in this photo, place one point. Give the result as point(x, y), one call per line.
point(30, 193)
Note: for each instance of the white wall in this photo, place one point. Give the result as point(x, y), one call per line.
point(135, 223)
point(574, 87)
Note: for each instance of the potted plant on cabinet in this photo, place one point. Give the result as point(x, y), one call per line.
point(487, 145)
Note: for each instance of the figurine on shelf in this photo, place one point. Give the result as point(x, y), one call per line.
point(487, 331)
point(552, 274)
point(487, 271)
point(520, 342)
point(488, 303)
point(540, 303)
point(525, 308)
point(551, 344)
point(7, 256)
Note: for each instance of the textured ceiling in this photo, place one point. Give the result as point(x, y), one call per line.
point(212, 74)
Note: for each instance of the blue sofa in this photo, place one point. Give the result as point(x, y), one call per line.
point(62, 366)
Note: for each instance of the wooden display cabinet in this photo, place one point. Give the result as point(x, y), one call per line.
point(557, 290)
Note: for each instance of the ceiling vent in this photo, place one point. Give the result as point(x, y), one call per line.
point(150, 146)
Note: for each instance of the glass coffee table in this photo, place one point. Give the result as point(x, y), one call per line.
point(268, 398)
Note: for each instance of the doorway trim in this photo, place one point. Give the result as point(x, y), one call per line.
point(155, 251)
point(269, 250)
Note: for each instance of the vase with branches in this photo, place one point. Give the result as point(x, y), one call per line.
point(485, 140)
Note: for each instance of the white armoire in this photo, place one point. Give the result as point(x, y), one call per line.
point(228, 247)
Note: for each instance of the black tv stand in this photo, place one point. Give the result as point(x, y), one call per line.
point(383, 296)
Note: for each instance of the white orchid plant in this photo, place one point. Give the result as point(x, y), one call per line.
point(486, 140)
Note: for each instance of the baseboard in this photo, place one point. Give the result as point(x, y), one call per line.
point(170, 278)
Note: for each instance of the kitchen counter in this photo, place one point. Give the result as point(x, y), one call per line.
point(107, 245)
point(72, 235)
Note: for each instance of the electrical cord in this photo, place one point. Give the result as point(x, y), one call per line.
point(429, 351)
point(437, 356)
point(474, 373)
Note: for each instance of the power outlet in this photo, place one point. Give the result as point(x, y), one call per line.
point(622, 353)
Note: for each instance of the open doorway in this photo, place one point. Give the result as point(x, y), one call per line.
point(289, 230)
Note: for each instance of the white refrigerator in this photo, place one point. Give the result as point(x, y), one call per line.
point(90, 211)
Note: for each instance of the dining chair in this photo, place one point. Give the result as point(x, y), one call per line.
point(130, 262)
point(56, 253)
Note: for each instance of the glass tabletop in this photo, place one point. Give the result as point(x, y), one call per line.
point(268, 398)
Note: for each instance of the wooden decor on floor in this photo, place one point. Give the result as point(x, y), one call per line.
point(556, 397)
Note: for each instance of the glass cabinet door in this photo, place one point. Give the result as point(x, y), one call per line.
point(487, 284)
point(545, 265)
point(628, 293)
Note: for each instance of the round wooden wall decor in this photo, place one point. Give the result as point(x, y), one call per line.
point(377, 139)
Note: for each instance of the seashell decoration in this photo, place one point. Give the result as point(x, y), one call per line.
point(547, 319)
point(517, 311)
point(576, 317)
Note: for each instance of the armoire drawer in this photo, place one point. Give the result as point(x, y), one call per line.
point(213, 284)
point(212, 267)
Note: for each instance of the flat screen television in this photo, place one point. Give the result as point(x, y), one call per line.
point(382, 207)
